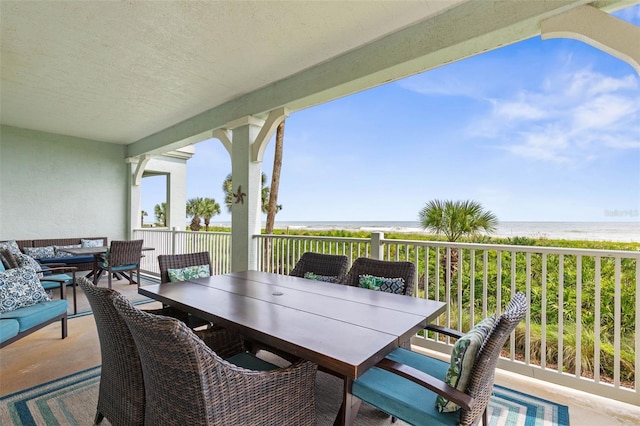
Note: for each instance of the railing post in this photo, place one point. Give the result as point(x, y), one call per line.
point(376, 245)
point(174, 236)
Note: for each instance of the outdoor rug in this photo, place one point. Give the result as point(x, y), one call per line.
point(72, 401)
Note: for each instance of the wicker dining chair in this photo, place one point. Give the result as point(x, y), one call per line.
point(383, 269)
point(121, 395)
point(188, 383)
point(179, 261)
point(325, 265)
point(406, 384)
point(122, 256)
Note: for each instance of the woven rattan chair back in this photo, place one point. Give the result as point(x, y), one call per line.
point(382, 268)
point(480, 384)
point(331, 265)
point(125, 253)
point(121, 399)
point(189, 384)
point(179, 261)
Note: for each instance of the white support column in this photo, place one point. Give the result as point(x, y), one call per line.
point(598, 29)
point(245, 212)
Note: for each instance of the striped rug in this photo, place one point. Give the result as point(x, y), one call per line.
point(72, 401)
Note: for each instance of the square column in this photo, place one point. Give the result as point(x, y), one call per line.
point(246, 207)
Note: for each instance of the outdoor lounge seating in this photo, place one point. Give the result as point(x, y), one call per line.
point(406, 384)
point(24, 320)
point(382, 269)
point(323, 267)
point(52, 277)
point(82, 263)
point(188, 383)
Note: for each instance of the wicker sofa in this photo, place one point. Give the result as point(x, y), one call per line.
point(83, 263)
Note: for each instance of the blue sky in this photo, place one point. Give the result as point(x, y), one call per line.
point(536, 131)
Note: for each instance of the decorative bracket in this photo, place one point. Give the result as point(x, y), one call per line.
point(268, 128)
point(142, 163)
point(598, 29)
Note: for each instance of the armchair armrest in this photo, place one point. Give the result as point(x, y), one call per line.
point(429, 382)
point(58, 268)
point(444, 330)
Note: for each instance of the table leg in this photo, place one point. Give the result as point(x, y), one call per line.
point(94, 271)
point(349, 408)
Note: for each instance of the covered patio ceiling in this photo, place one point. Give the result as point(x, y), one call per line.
point(156, 76)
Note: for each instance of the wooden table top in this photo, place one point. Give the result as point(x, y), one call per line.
point(345, 329)
point(93, 250)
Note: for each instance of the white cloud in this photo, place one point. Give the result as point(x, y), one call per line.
point(568, 119)
point(519, 110)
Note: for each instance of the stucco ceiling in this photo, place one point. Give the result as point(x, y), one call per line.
point(126, 72)
point(120, 71)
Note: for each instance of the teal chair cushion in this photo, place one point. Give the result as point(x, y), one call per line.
point(403, 398)
point(55, 284)
point(105, 265)
point(30, 316)
point(8, 329)
point(251, 362)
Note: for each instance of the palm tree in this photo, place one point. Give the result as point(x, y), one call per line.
point(209, 209)
point(273, 207)
point(227, 188)
point(143, 214)
point(194, 210)
point(456, 219)
point(160, 211)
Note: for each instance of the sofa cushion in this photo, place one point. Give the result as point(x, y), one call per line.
point(69, 260)
point(463, 356)
point(323, 278)
point(188, 273)
point(59, 250)
point(25, 261)
point(30, 316)
point(20, 287)
point(391, 392)
point(91, 243)
point(11, 245)
point(8, 329)
point(39, 252)
point(388, 285)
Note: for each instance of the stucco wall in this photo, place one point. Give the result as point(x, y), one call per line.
point(54, 186)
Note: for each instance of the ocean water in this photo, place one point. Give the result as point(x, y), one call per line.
point(589, 231)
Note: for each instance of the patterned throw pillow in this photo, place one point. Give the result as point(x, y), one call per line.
point(20, 287)
point(323, 278)
point(91, 243)
point(463, 356)
point(11, 245)
point(59, 253)
point(40, 252)
point(188, 273)
point(388, 285)
point(25, 261)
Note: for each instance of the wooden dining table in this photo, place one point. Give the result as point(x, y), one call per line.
point(346, 330)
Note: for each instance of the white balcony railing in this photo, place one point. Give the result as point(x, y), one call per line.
point(581, 329)
point(165, 241)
